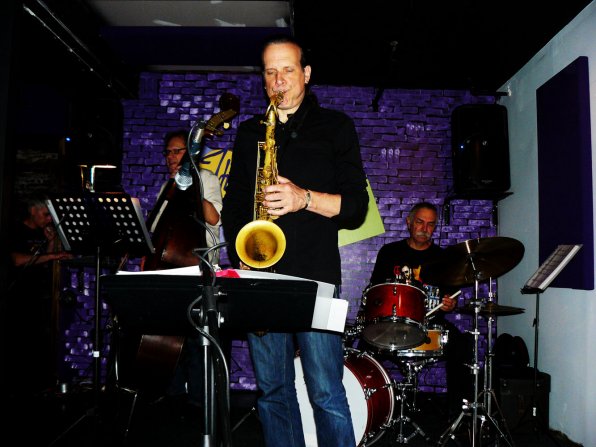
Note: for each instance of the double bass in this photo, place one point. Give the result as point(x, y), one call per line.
point(177, 224)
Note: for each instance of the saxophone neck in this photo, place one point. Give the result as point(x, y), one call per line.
point(270, 116)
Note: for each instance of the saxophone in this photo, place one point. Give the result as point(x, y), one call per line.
point(261, 243)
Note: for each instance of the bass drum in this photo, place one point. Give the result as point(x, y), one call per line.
point(370, 396)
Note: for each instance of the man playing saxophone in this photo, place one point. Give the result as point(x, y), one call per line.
point(321, 187)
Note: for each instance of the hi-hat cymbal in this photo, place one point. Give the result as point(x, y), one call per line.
point(473, 260)
point(491, 310)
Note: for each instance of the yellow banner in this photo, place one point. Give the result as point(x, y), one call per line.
point(372, 225)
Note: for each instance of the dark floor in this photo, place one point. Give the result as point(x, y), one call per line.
point(84, 418)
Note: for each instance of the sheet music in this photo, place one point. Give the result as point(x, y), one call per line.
point(192, 270)
point(551, 268)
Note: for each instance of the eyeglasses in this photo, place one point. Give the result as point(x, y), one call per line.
point(176, 151)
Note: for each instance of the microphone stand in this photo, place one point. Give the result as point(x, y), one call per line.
point(208, 308)
point(213, 379)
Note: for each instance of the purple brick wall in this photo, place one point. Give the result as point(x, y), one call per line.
point(406, 151)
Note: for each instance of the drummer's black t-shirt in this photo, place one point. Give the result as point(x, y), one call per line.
point(400, 254)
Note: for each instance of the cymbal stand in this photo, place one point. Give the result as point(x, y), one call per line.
point(487, 391)
point(473, 409)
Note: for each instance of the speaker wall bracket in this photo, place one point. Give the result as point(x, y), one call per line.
point(495, 197)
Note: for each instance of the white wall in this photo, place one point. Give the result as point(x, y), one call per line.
point(567, 318)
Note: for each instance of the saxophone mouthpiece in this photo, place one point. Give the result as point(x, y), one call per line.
point(278, 98)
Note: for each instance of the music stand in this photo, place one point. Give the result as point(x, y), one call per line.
point(154, 303)
point(170, 304)
point(537, 284)
point(99, 224)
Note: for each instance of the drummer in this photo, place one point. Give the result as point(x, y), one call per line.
point(412, 253)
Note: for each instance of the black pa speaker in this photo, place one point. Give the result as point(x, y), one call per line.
point(94, 140)
point(96, 130)
point(480, 149)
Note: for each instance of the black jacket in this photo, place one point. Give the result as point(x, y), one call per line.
point(318, 149)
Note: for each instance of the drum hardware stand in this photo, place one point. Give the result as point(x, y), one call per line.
point(487, 395)
point(402, 420)
point(474, 406)
point(412, 368)
point(412, 383)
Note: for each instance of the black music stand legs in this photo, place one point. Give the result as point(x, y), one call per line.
point(97, 324)
point(93, 410)
point(534, 413)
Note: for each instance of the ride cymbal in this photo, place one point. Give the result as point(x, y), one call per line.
point(473, 260)
point(491, 310)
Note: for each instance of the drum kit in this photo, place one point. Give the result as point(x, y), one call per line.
point(394, 322)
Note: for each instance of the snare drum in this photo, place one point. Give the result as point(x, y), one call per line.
point(394, 316)
point(437, 337)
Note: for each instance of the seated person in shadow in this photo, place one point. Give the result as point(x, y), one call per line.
point(34, 250)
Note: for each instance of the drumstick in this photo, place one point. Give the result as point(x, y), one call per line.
point(438, 306)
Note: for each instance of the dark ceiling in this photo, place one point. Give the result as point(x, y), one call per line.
point(474, 45)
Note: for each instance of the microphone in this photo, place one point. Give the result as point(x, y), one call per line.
point(183, 177)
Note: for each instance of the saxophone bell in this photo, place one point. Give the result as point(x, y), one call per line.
point(260, 244)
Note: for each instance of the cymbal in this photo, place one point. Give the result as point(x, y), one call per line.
point(491, 310)
point(473, 260)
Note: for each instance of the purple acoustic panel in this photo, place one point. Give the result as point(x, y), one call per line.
point(565, 172)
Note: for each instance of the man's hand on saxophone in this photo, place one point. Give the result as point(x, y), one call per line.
point(286, 197)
